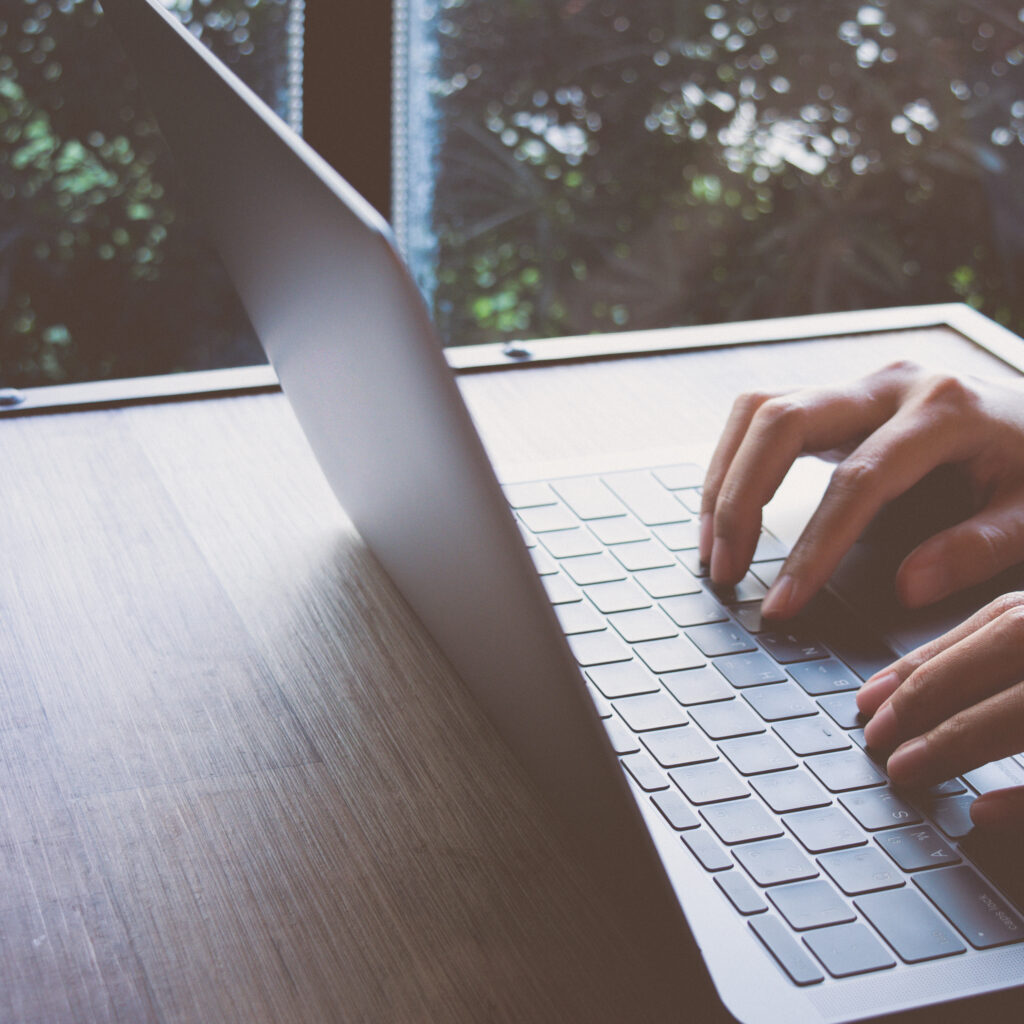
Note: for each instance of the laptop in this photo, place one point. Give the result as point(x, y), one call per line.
point(707, 770)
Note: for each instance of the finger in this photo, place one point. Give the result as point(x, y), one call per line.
point(781, 429)
point(735, 429)
point(1001, 810)
point(968, 553)
point(894, 458)
point(879, 687)
point(978, 666)
point(973, 737)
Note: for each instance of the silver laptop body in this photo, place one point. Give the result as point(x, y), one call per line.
point(351, 341)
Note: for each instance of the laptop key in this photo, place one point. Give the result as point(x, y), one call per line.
point(571, 543)
point(740, 821)
point(598, 648)
point(620, 530)
point(879, 808)
point(679, 536)
point(694, 609)
point(691, 559)
point(544, 518)
point(813, 904)
point(643, 554)
point(578, 618)
point(861, 869)
point(721, 638)
point(588, 497)
point(528, 495)
point(778, 702)
point(824, 828)
point(952, 814)
point(684, 474)
point(709, 783)
point(725, 719)
point(747, 591)
point(622, 679)
point(919, 848)
point(907, 922)
point(792, 790)
point(842, 709)
point(643, 624)
point(621, 739)
point(821, 677)
point(779, 941)
point(775, 862)
point(977, 911)
point(670, 581)
point(849, 949)
point(752, 669)
point(671, 655)
point(588, 569)
point(646, 498)
point(742, 895)
point(543, 562)
point(679, 746)
point(708, 850)
point(751, 755)
point(846, 770)
point(675, 810)
point(561, 590)
point(647, 775)
point(617, 596)
point(787, 648)
point(650, 711)
point(768, 571)
point(696, 685)
point(818, 735)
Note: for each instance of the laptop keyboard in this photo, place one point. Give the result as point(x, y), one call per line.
point(746, 736)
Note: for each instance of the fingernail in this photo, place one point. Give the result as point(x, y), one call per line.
point(881, 733)
point(907, 764)
point(998, 811)
point(925, 584)
point(780, 598)
point(876, 689)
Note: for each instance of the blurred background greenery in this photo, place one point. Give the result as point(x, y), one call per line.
point(609, 164)
point(100, 263)
point(567, 166)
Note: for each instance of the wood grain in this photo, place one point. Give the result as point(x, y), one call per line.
point(237, 781)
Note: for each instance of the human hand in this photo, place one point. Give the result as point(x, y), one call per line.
point(893, 427)
point(953, 705)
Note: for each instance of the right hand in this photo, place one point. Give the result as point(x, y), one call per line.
point(892, 428)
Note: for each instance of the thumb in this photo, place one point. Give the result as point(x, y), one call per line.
point(968, 553)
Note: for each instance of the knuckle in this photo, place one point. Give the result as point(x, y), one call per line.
point(855, 475)
point(783, 412)
point(947, 391)
point(902, 369)
point(1010, 623)
point(1006, 603)
point(749, 402)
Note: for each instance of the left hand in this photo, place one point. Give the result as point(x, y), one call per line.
point(955, 704)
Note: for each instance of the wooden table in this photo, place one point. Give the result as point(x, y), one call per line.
point(237, 781)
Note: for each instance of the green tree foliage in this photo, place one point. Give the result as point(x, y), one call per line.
point(632, 163)
point(101, 273)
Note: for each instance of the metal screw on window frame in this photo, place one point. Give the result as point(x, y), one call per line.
point(10, 397)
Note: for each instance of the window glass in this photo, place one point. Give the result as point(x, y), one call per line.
point(572, 166)
point(102, 274)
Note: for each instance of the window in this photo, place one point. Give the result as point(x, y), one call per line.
point(102, 273)
point(594, 165)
